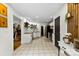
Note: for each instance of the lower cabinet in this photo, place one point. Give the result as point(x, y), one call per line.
point(62, 53)
point(27, 38)
point(36, 34)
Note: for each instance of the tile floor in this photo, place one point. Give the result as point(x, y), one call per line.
point(38, 47)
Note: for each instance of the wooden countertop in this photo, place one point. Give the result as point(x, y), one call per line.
point(28, 33)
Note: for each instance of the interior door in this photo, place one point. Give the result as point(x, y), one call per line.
point(57, 31)
point(16, 32)
point(41, 30)
point(48, 30)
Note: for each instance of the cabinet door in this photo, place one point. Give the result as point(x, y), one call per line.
point(3, 10)
point(62, 53)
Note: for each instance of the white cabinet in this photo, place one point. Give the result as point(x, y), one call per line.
point(27, 38)
point(67, 49)
point(62, 52)
point(36, 34)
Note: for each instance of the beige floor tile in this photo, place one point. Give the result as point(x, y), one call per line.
point(38, 47)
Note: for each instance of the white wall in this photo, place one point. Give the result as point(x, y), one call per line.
point(6, 34)
point(16, 20)
point(63, 24)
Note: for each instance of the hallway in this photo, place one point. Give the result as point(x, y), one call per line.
point(38, 47)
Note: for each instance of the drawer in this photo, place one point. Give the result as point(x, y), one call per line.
point(3, 10)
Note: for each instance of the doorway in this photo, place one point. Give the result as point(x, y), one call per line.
point(42, 31)
point(16, 32)
point(48, 30)
point(57, 31)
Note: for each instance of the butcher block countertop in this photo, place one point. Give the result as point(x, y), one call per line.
point(28, 33)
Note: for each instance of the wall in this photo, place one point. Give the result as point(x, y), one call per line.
point(6, 34)
point(73, 26)
point(22, 21)
point(6, 39)
point(43, 30)
point(63, 24)
point(16, 20)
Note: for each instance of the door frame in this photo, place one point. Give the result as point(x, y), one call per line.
point(21, 31)
point(57, 38)
point(56, 33)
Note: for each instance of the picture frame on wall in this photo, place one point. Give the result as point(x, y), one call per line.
point(3, 16)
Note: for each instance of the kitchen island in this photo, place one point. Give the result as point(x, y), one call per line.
point(36, 34)
point(27, 37)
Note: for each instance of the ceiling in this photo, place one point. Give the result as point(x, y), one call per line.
point(37, 12)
